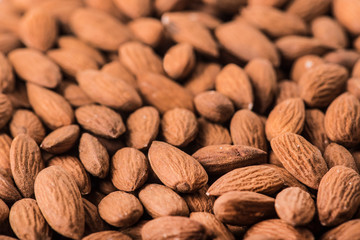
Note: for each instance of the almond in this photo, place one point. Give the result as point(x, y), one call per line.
point(107, 235)
point(8, 42)
point(61, 139)
point(304, 64)
point(179, 60)
point(162, 6)
point(308, 10)
point(289, 180)
point(348, 230)
point(344, 57)
point(203, 78)
point(93, 221)
point(4, 212)
point(175, 168)
point(207, 19)
point(106, 6)
point(212, 133)
point(74, 94)
point(345, 13)
point(7, 80)
point(5, 143)
point(8, 192)
point(314, 129)
point(353, 86)
point(135, 8)
point(135, 230)
point(54, 187)
point(6, 110)
point(285, 90)
point(118, 70)
point(336, 154)
point(147, 30)
point(199, 201)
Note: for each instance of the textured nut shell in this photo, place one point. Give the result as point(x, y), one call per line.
point(199, 201)
point(314, 129)
point(107, 235)
point(346, 231)
point(61, 139)
point(336, 154)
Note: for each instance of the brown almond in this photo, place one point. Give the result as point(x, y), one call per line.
point(75, 169)
point(175, 168)
point(93, 221)
point(100, 120)
point(107, 6)
point(199, 201)
point(8, 42)
point(135, 8)
point(289, 180)
point(212, 133)
point(8, 192)
point(336, 154)
point(304, 64)
point(179, 126)
point(4, 211)
point(353, 86)
point(147, 30)
point(207, 19)
point(120, 209)
point(287, 89)
point(302, 159)
point(346, 13)
point(5, 143)
point(7, 80)
point(74, 94)
point(203, 78)
point(348, 230)
point(107, 235)
point(61, 139)
point(51, 107)
point(33, 66)
point(179, 60)
point(162, 6)
point(93, 156)
point(344, 57)
point(308, 9)
point(27, 221)
point(118, 70)
point(129, 169)
point(314, 129)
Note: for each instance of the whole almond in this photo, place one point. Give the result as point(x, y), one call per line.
point(33, 66)
point(129, 169)
point(302, 159)
point(344, 57)
point(243, 208)
point(289, 180)
point(314, 129)
point(108, 90)
point(287, 89)
point(205, 18)
point(27, 221)
point(162, 6)
point(159, 201)
point(8, 192)
point(8, 42)
point(199, 201)
point(179, 60)
point(304, 64)
point(234, 83)
point(74, 94)
point(308, 10)
point(203, 78)
point(106, 6)
point(247, 129)
point(75, 169)
point(6, 110)
point(107, 235)
point(147, 30)
point(220, 159)
point(93, 156)
point(336, 154)
point(93, 221)
point(212, 133)
point(179, 126)
point(120, 209)
point(175, 168)
point(118, 70)
point(4, 211)
point(286, 117)
point(55, 187)
point(100, 120)
point(345, 13)
point(347, 231)
point(134, 9)
point(295, 206)
point(61, 139)
point(7, 80)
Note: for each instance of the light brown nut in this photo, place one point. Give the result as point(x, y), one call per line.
point(8, 42)
point(61, 139)
point(75, 169)
point(60, 202)
point(302, 159)
point(286, 117)
point(33, 66)
point(234, 83)
point(129, 169)
point(346, 13)
point(107, 235)
point(120, 209)
point(93, 156)
point(134, 9)
point(4, 212)
point(274, 3)
point(74, 94)
point(175, 168)
point(106, 6)
point(338, 198)
point(287, 89)
point(7, 80)
point(179, 60)
point(179, 126)
point(162, 6)
point(342, 120)
point(344, 57)
point(220, 159)
point(295, 206)
point(93, 221)
point(25, 162)
point(199, 201)
point(304, 64)
point(118, 70)
point(100, 120)
point(51, 107)
point(347, 231)
point(147, 30)
point(353, 87)
point(289, 180)
point(6, 110)
point(308, 9)
point(203, 78)
point(27, 221)
point(336, 154)
point(174, 227)
point(8, 192)
point(212, 133)
point(314, 129)
point(160, 201)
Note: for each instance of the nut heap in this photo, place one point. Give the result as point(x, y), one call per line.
point(180, 119)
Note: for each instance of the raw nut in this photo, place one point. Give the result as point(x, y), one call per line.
point(220, 159)
point(25, 121)
point(109, 91)
point(175, 168)
point(344, 57)
point(7, 80)
point(88, 24)
point(274, 3)
point(286, 117)
point(75, 169)
point(163, 93)
point(134, 9)
point(287, 89)
point(314, 129)
point(8, 192)
point(342, 120)
point(51, 107)
point(162, 6)
point(135, 231)
point(107, 235)
point(93, 221)
point(160, 201)
point(295, 206)
point(179, 60)
point(61, 139)
point(120, 209)
point(259, 178)
point(353, 87)
point(118, 70)
point(106, 6)
point(247, 128)
point(345, 12)
point(100, 120)
point(4, 212)
point(214, 106)
point(6, 110)
point(215, 228)
point(179, 126)
point(105, 186)
point(173, 227)
point(203, 78)
point(304, 64)
point(8, 42)
point(347, 231)
point(234, 83)
point(139, 58)
point(199, 201)
point(129, 169)
point(147, 30)
point(74, 94)
point(289, 180)
point(320, 85)
point(212, 133)
point(246, 42)
point(33, 66)
point(111, 145)
point(243, 208)
point(262, 76)
point(27, 221)
point(338, 198)
point(336, 154)
point(309, 9)
point(142, 127)
point(93, 156)
point(54, 187)
point(302, 159)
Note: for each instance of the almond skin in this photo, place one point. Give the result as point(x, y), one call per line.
point(74, 94)
point(175, 168)
point(302, 159)
point(61, 140)
point(54, 187)
point(93, 221)
point(120, 209)
point(345, 13)
point(199, 201)
point(7, 80)
point(6, 110)
point(8, 192)
point(5, 143)
point(314, 129)
point(336, 154)
point(27, 221)
point(134, 9)
point(147, 30)
point(8, 42)
point(348, 230)
point(4, 211)
point(179, 60)
point(303, 64)
point(287, 89)
point(203, 77)
point(100, 120)
point(118, 70)
point(212, 133)
point(129, 169)
point(308, 10)
point(107, 235)
point(160, 201)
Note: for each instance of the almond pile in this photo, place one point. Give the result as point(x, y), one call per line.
point(180, 119)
